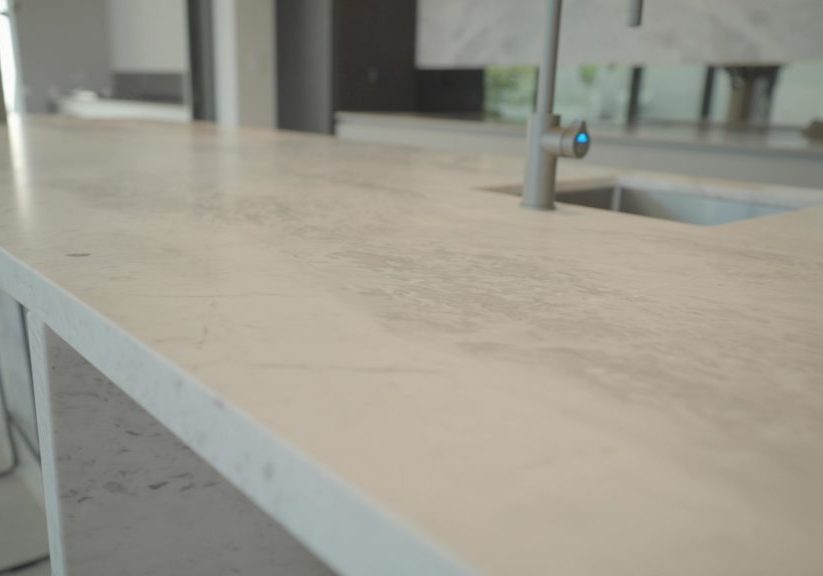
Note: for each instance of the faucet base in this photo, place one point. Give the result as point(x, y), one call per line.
point(538, 191)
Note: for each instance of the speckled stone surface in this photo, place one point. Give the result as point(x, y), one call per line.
point(136, 502)
point(427, 370)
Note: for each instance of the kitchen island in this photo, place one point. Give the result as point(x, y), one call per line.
point(412, 374)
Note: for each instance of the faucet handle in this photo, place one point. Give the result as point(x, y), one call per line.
point(581, 140)
point(570, 142)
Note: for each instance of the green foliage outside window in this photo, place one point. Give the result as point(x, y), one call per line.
point(509, 91)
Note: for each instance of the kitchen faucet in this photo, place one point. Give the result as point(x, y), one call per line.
point(548, 140)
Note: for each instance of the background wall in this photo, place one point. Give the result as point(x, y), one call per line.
point(63, 46)
point(148, 35)
point(477, 33)
point(129, 49)
point(149, 49)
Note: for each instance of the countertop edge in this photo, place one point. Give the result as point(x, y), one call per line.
point(327, 515)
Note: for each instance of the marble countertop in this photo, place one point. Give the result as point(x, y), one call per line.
point(774, 141)
point(418, 377)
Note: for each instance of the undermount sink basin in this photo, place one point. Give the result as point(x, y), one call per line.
point(681, 203)
point(677, 206)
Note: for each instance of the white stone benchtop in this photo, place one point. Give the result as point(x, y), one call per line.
point(776, 141)
point(417, 377)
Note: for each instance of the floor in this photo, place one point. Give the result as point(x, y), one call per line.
point(23, 538)
point(42, 568)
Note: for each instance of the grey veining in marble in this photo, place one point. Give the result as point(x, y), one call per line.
point(475, 33)
point(433, 372)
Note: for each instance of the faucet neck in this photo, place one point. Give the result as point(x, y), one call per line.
point(548, 64)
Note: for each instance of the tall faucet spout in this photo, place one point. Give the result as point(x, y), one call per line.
point(635, 12)
point(547, 139)
point(548, 69)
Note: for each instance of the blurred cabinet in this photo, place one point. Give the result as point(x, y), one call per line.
point(356, 55)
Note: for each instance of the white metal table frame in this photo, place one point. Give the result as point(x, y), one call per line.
point(143, 469)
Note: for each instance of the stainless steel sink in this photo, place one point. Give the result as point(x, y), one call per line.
point(680, 207)
point(682, 202)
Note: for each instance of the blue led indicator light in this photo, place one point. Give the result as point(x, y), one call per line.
point(582, 138)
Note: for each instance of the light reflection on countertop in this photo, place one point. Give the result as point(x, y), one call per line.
point(776, 139)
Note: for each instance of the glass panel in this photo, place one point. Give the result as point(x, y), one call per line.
point(509, 92)
point(669, 94)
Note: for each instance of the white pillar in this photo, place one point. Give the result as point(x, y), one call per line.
point(226, 88)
